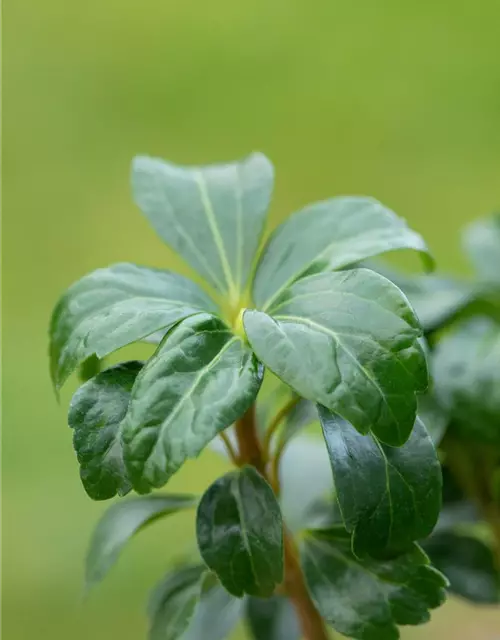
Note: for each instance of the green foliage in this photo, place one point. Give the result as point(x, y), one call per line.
point(344, 344)
point(366, 598)
point(240, 533)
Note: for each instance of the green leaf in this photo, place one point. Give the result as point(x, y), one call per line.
point(240, 533)
point(467, 378)
point(190, 604)
point(110, 308)
point(433, 416)
point(468, 563)
point(305, 480)
point(350, 342)
point(200, 380)
point(365, 599)
point(174, 601)
point(272, 619)
point(217, 612)
point(95, 415)
point(212, 216)
point(481, 242)
point(120, 522)
point(389, 497)
point(89, 368)
point(329, 235)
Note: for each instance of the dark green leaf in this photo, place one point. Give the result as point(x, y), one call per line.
point(96, 414)
point(174, 601)
point(113, 307)
point(212, 216)
point(481, 241)
point(433, 416)
point(120, 522)
point(329, 235)
point(366, 599)
point(272, 619)
point(240, 533)
point(305, 480)
point(469, 565)
point(467, 378)
point(349, 341)
point(200, 380)
point(217, 612)
point(388, 496)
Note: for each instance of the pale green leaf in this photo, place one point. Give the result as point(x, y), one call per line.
point(212, 216)
point(200, 380)
point(349, 341)
point(110, 308)
point(272, 619)
point(466, 376)
point(329, 235)
point(481, 241)
point(120, 522)
point(388, 496)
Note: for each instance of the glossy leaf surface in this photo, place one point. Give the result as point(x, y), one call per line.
point(366, 599)
point(469, 565)
point(95, 415)
point(201, 378)
point(481, 241)
point(329, 235)
point(110, 308)
point(120, 522)
point(467, 378)
point(272, 619)
point(388, 496)
point(240, 533)
point(212, 216)
point(350, 342)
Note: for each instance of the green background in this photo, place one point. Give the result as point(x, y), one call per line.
point(399, 100)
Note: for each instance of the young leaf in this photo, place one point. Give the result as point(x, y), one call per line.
point(173, 603)
point(113, 307)
point(329, 235)
point(389, 497)
point(200, 380)
point(365, 599)
point(481, 241)
point(350, 342)
point(467, 378)
point(212, 216)
point(95, 415)
point(120, 522)
point(469, 565)
point(240, 533)
point(272, 619)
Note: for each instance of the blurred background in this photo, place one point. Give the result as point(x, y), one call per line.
point(392, 99)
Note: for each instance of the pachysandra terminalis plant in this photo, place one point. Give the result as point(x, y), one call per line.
point(461, 322)
point(277, 545)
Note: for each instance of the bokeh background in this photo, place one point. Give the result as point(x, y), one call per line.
point(399, 100)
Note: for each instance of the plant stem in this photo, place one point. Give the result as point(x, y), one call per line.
point(252, 452)
point(231, 452)
point(277, 420)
